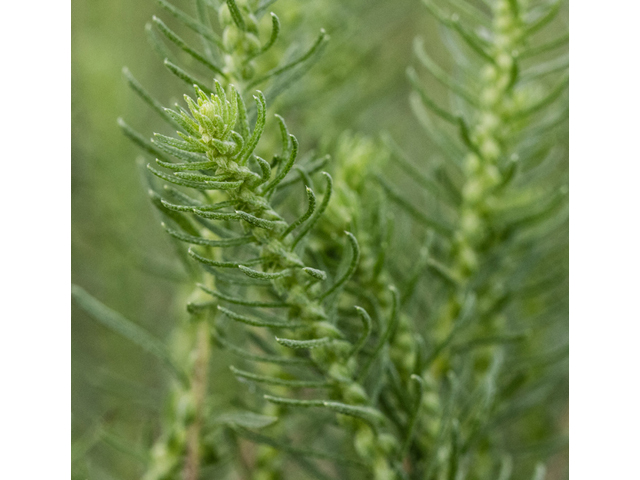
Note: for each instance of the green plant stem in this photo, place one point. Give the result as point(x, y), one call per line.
point(199, 391)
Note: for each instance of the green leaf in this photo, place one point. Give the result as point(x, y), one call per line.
point(215, 263)
point(247, 355)
point(477, 44)
point(413, 417)
point(180, 154)
point(186, 166)
point(285, 135)
point(246, 419)
point(264, 275)
point(263, 5)
point(192, 23)
point(140, 141)
point(258, 322)
point(545, 47)
point(464, 317)
point(556, 65)
point(540, 104)
point(309, 169)
point(427, 101)
point(207, 185)
point(279, 381)
point(261, 118)
point(185, 77)
point(315, 49)
point(272, 225)
point(367, 324)
point(236, 15)
point(134, 333)
point(355, 258)
point(195, 240)
point(157, 44)
point(212, 215)
point(315, 273)
point(411, 210)
point(368, 414)
point(440, 74)
point(147, 98)
point(173, 37)
point(317, 214)
point(545, 18)
point(191, 146)
point(443, 272)
point(311, 206)
point(313, 343)
point(297, 451)
point(384, 338)
point(275, 31)
point(265, 170)
point(242, 116)
point(282, 172)
point(414, 172)
point(176, 216)
point(242, 301)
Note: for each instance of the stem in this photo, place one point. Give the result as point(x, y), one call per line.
point(199, 391)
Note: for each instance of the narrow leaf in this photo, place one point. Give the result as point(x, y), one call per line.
point(192, 23)
point(186, 166)
point(185, 77)
point(264, 275)
point(440, 74)
point(236, 15)
point(227, 242)
point(414, 416)
point(272, 225)
point(147, 98)
point(215, 263)
point(278, 381)
point(265, 170)
point(258, 322)
point(411, 210)
point(384, 338)
point(190, 157)
point(242, 301)
point(317, 214)
point(311, 206)
point(545, 47)
point(140, 141)
point(246, 419)
point(426, 100)
point(315, 48)
point(173, 37)
point(367, 325)
point(368, 414)
point(275, 31)
point(252, 142)
point(355, 258)
point(261, 439)
point(282, 172)
point(317, 274)
point(314, 343)
point(246, 355)
point(134, 333)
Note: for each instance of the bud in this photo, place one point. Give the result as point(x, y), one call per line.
point(230, 38)
point(224, 16)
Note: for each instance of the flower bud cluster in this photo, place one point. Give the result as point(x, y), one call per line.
point(240, 42)
point(488, 136)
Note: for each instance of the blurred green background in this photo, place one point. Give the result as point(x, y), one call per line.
point(119, 253)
